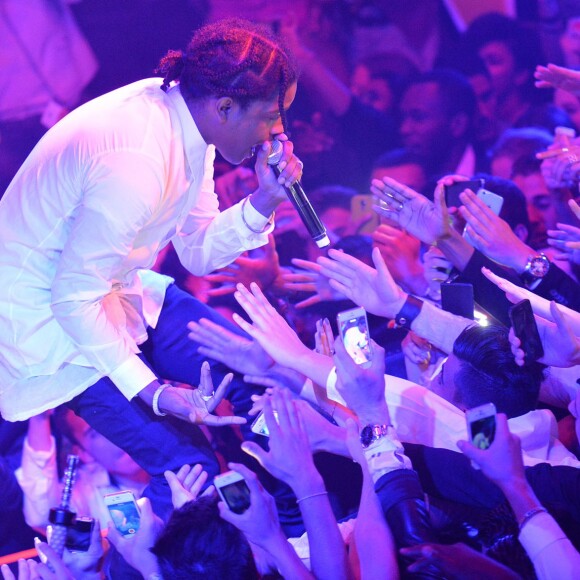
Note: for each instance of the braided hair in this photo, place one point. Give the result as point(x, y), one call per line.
point(234, 58)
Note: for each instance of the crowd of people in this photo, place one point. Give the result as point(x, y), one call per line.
point(166, 317)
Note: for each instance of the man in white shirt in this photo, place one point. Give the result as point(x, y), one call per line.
point(83, 320)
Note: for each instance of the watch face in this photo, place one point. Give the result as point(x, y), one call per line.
point(366, 436)
point(539, 266)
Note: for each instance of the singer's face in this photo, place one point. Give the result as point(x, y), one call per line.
point(249, 127)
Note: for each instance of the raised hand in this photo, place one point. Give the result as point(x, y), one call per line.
point(289, 457)
point(363, 388)
point(540, 306)
point(491, 235)
point(411, 210)
point(186, 484)
point(269, 328)
point(502, 462)
point(136, 549)
point(309, 280)
point(375, 290)
point(561, 346)
point(566, 239)
point(238, 352)
point(263, 267)
point(557, 77)
point(197, 405)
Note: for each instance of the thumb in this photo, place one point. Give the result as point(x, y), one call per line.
point(560, 320)
point(114, 536)
point(174, 484)
point(380, 264)
point(255, 451)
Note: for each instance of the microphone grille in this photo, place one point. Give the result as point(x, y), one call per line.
point(276, 152)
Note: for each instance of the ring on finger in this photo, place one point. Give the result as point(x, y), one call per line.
point(208, 397)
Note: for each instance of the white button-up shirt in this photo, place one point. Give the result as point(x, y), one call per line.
point(84, 219)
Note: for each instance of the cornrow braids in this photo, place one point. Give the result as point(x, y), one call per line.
point(171, 67)
point(235, 58)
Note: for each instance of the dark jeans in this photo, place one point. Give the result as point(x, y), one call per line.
point(162, 443)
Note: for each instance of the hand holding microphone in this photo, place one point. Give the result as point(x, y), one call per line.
point(300, 201)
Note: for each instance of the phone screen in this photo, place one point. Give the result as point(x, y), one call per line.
point(236, 495)
point(355, 336)
point(125, 516)
point(78, 536)
point(482, 431)
point(525, 328)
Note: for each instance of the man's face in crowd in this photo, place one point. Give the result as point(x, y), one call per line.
point(541, 208)
point(249, 127)
point(372, 91)
point(424, 124)
point(409, 174)
point(501, 66)
point(570, 104)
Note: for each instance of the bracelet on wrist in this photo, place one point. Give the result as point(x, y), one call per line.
point(531, 514)
point(268, 223)
point(311, 496)
point(155, 400)
point(410, 310)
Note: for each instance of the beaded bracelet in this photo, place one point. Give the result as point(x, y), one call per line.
point(530, 514)
point(268, 223)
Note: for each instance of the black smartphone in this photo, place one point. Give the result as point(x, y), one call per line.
point(452, 191)
point(78, 536)
point(457, 298)
point(525, 328)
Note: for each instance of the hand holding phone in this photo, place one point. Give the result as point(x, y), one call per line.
point(354, 330)
point(233, 490)
point(525, 328)
point(481, 425)
point(78, 536)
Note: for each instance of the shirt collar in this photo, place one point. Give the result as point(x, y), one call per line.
point(193, 143)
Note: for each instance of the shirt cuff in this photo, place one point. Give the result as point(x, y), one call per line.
point(539, 532)
point(132, 377)
point(39, 459)
point(331, 391)
point(255, 219)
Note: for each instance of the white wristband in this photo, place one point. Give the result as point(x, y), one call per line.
point(155, 401)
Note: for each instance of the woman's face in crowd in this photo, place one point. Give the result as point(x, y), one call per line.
point(500, 64)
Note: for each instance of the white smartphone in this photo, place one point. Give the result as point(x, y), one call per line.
point(233, 490)
point(353, 327)
point(481, 425)
point(259, 425)
point(493, 201)
point(124, 511)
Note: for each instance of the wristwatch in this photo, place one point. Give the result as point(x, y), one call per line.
point(536, 268)
point(372, 433)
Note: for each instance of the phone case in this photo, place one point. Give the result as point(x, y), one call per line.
point(525, 328)
point(452, 191)
point(493, 201)
point(457, 298)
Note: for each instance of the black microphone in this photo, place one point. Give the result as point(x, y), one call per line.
point(299, 200)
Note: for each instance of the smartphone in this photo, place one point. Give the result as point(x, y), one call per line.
point(78, 536)
point(124, 511)
point(452, 191)
point(259, 425)
point(354, 331)
point(481, 425)
point(492, 200)
point(457, 298)
point(361, 206)
point(525, 328)
point(234, 490)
